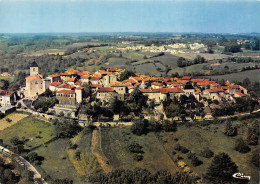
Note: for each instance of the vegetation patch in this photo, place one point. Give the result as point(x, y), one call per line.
point(11, 119)
point(32, 131)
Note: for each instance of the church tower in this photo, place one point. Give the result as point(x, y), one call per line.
point(34, 69)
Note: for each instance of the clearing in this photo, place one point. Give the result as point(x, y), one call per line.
point(11, 119)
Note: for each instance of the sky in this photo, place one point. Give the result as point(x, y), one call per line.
point(68, 16)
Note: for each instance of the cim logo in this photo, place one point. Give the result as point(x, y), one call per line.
point(241, 176)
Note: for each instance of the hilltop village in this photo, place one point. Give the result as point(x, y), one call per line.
point(74, 89)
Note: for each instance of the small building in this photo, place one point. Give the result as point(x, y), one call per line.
point(188, 89)
point(7, 98)
point(105, 93)
point(67, 103)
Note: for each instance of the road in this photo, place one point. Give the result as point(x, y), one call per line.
point(24, 163)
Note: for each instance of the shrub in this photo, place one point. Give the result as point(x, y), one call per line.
point(251, 137)
point(138, 157)
point(191, 155)
point(139, 127)
point(241, 146)
point(221, 169)
point(184, 150)
point(196, 162)
point(8, 120)
point(229, 130)
point(135, 148)
point(255, 159)
point(169, 126)
point(177, 147)
point(179, 157)
point(207, 153)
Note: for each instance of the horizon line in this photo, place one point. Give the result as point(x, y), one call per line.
point(153, 32)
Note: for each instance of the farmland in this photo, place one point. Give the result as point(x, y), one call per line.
point(252, 75)
point(35, 132)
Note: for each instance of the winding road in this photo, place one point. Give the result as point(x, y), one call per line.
point(24, 163)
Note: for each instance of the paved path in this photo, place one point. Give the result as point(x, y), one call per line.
point(21, 161)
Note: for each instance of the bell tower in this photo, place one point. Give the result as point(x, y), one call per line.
point(34, 69)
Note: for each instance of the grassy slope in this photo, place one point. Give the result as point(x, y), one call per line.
point(56, 163)
point(29, 127)
point(88, 164)
point(253, 75)
point(15, 117)
point(195, 138)
point(114, 146)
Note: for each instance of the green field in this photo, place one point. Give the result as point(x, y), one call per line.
point(114, 146)
point(253, 75)
point(195, 138)
point(36, 132)
point(56, 163)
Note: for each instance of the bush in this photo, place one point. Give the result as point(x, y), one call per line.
point(177, 147)
point(241, 146)
point(139, 127)
point(138, 157)
point(169, 126)
point(221, 169)
point(135, 148)
point(191, 155)
point(229, 130)
point(184, 150)
point(207, 153)
point(195, 161)
point(8, 120)
point(255, 159)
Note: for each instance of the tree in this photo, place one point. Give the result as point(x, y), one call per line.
point(246, 82)
point(4, 84)
point(180, 62)
point(234, 48)
point(250, 136)
point(66, 128)
point(255, 158)
point(126, 74)
point(207, 153)
point(32, 157)
point(115, 105)
point(169, 126)
point(221, 169)
point(139, 127)
point(229, 130)
point(241, 146)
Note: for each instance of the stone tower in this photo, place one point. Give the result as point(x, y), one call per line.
point(34, 69)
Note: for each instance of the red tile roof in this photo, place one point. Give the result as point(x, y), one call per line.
point(55, 84)
point(66, 86)
point(105, 89)
point(85, 77)
point(94, 78)
point(186, 78)
point(72, 79)
point(240, 94)
point(156, 84)
point(112, 69)
point(79, 88)
point(65, 74)
point(6, 93)
point(33, 77)
point(117, 85)
point(54, 75)
point(96, 86)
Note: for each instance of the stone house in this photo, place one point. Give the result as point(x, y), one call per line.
point(105, 94)
point(7, 98)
